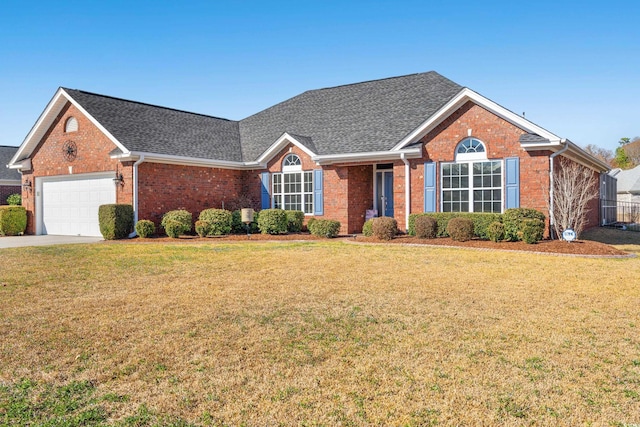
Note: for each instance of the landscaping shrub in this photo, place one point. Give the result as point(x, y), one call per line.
point(183, 219)
point(273, 221)
point(174, 228)
point(309, 222)
point(324, 227)
point(531, 230)
point(203, 228)
point(495, 231)
point(294, 221)
point(426, 227)
point(14, 199)
point(460, 229)
point(367, 228)
point(145, 228)
point(239, 227)
point(480, 222)
point(513, 221)
point(385, 228)
point(13, 220)
point(116, 221)
point(219, 220)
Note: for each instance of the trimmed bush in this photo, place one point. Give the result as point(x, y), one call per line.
point(273, 221)
point(145, 228)
point(367, 228)
point(219, 220)
point(14, 199)
point(513, 221)
point(309, 222)
point(480, 222)
point(426, 227)
point(13, 220)
point(385, 228)
point(531, 230)
point(116, 221)
point(173, 228)
point(460, 229)
point(495, 231)
point(294, 221)
point(324, 228)
point(183, 219)
point(203, 228)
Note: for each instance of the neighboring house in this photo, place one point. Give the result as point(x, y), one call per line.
point(416, 143)
point(628, 184)
point(9, 178)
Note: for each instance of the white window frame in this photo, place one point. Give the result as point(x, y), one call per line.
point(306, 185)
point(470, 188)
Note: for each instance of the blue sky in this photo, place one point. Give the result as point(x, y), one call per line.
point(572, 67)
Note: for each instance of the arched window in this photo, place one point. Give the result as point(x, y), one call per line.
point(71, 125)
point(470, 149)
point(291, 163)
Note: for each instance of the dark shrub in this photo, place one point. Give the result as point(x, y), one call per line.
point(367, 228)
point(13, 220)
point(174, 228)
point(14, 199)
point(239, 227)
point(273, 221)
point(495, 231)
point(219, 220)
point(145, 228)
point(294, 221)
point(309, 222)
point(480, 222)
point(179, 216)
point(513, 218)
point(531, 230)
point(385, 228)
point(116, 221)
point(426, 227)
point(324, 227)
point(460, 229)
point(203, 228)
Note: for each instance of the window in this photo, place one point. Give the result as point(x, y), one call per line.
point(472, 186)
point(293, 188)
point(71, 125)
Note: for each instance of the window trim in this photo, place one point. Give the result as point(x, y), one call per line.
point(474, 155)
point(470, 187)
point(306, 181)
point(67, 125)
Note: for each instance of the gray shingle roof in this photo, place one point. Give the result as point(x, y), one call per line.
point(360, 117)
point(6, 153)
point(532, 138)
point(152, 129)
point(628, 180)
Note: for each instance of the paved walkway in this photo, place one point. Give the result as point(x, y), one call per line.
point(20, 241)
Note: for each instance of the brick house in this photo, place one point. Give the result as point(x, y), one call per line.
point(416, 143)
point(9, 178)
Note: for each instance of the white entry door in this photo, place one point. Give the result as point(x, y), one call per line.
point(70, 203)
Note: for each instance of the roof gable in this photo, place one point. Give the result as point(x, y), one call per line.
point(628, 180)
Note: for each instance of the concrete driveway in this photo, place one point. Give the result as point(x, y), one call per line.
point(20, 241)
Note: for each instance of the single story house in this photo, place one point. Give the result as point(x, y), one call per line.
point(395, 146)
point(9, 178)
point(628, 189)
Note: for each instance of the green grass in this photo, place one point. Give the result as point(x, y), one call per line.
point(316, 333)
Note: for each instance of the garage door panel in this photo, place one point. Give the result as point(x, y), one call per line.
point(70, 206)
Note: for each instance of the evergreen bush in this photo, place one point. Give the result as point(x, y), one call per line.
point(367, 228)
point(460, 229)
point(324, 228)
point(183, 219)
point(115, 220)
point(495, 231)
point(385, 228)
point(273, 221)
point(219, 221)
point(426, 227)
point(13, 220)
point(145, 228)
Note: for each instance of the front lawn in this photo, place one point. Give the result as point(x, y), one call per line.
point(315, 333)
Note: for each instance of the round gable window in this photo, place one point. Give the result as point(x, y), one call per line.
point(291, 163)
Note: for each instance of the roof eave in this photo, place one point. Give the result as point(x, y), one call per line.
point(371, 156)
point(187, 161)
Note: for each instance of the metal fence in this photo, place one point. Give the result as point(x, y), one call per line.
point(614, 212)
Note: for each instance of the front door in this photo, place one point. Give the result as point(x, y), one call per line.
point(384, 193)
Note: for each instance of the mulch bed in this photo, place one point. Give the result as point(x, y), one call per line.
point(580, 247)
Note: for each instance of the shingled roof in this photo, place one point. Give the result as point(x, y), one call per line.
point(6, 154)
point(151, 129)
point(361, 117)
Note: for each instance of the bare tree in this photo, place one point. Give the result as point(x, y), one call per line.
point(600, 153)
point(574, 186)
point(633, 151)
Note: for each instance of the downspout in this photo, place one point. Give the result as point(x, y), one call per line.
point(407, 190)
point(552, 220)
point(135, 194)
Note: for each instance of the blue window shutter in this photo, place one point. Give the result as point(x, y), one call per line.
point(266, 197)
point(430, 187)
point(318, 206)
point(512, 183)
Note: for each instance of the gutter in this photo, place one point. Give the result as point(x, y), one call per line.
point(551, 182)
point(407, 190)
point(135, 194)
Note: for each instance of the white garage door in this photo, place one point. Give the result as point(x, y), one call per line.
point(70, 204)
